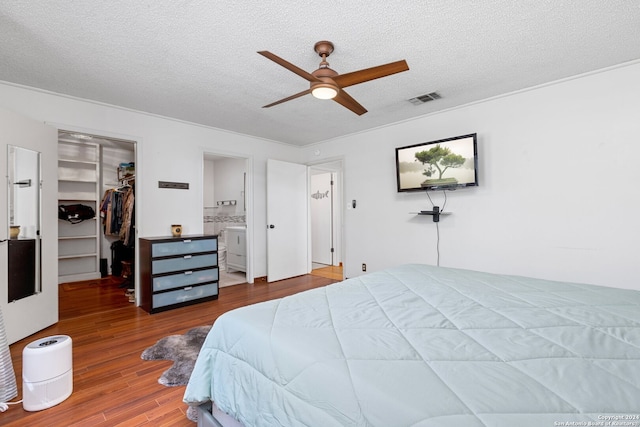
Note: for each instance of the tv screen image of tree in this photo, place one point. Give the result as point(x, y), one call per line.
point(444, 164)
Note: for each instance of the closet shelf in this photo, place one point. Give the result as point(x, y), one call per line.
point(76, 237)
point(76, 180)
point(76, 198)
point(77, 256)
point(76, 161)
point(84, 220)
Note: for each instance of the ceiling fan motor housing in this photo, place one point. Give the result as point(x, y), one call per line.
point(325, 75)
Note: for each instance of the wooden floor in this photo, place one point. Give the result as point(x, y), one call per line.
point(112, 385)
point(330, 272)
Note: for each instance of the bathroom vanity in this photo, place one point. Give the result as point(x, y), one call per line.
point(236, 248)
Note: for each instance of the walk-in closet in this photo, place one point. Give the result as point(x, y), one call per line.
point(96, 174)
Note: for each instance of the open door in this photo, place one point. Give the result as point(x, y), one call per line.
point(28, 278)
point(287, 220)
point(322, 246)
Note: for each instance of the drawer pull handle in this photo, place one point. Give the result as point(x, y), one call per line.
point(188, 288)
point(187, 256)
point(186, 241)
point(188, 272)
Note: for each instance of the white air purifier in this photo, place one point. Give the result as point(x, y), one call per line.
point(47, 372)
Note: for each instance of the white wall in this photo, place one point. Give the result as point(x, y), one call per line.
point(168, 150)
point(208, 187)
point(558, 195)
point(229, 183)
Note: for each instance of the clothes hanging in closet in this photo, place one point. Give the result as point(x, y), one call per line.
point(128, 209)
point(116, 211)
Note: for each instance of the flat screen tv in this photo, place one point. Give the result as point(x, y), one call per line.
point(446, 164)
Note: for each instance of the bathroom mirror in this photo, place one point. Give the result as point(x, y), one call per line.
point(24, 214)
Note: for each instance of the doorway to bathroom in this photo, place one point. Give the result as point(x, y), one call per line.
point(225, 214)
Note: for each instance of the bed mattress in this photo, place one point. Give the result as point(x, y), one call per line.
point(422, 346)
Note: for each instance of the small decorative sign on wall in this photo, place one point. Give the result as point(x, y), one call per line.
point(175, 185)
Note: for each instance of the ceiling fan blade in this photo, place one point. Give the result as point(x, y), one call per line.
point(344, 99)
point(361, 76)
point(289, 98)
point(289, 66)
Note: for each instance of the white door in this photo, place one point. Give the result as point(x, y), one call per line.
point(322, 218)
point(287, 220)
point(25, 316)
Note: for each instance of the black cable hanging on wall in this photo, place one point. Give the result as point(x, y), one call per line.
point(436, 212)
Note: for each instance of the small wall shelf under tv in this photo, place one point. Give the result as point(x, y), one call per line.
point(435, 212)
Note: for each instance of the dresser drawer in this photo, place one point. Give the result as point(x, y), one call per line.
point(186, 294)
point(183, 279)
point(183, 246)
point(187, 262)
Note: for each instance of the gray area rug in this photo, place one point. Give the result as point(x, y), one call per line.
point(183, 350)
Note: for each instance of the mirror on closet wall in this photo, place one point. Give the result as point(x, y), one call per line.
point(23, 168)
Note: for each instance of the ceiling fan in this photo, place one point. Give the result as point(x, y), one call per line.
point(325, 83)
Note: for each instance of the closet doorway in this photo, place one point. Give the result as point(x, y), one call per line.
point(97, 172)
point(225, 211)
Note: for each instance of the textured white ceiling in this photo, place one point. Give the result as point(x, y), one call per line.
point(196, 60)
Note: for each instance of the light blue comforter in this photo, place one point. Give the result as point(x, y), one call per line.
point(427, 346)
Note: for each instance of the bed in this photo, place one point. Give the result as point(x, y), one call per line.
point(424, 346)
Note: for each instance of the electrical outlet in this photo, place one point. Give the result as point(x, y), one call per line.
point(364, 267)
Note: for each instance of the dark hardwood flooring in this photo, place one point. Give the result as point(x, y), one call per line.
point(112, 385)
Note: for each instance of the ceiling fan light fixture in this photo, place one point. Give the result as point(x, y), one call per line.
point(324, 91)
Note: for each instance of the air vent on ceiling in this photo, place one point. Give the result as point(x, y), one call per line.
point(425, 98)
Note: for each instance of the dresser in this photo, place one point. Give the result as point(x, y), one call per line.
point(178, 271)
